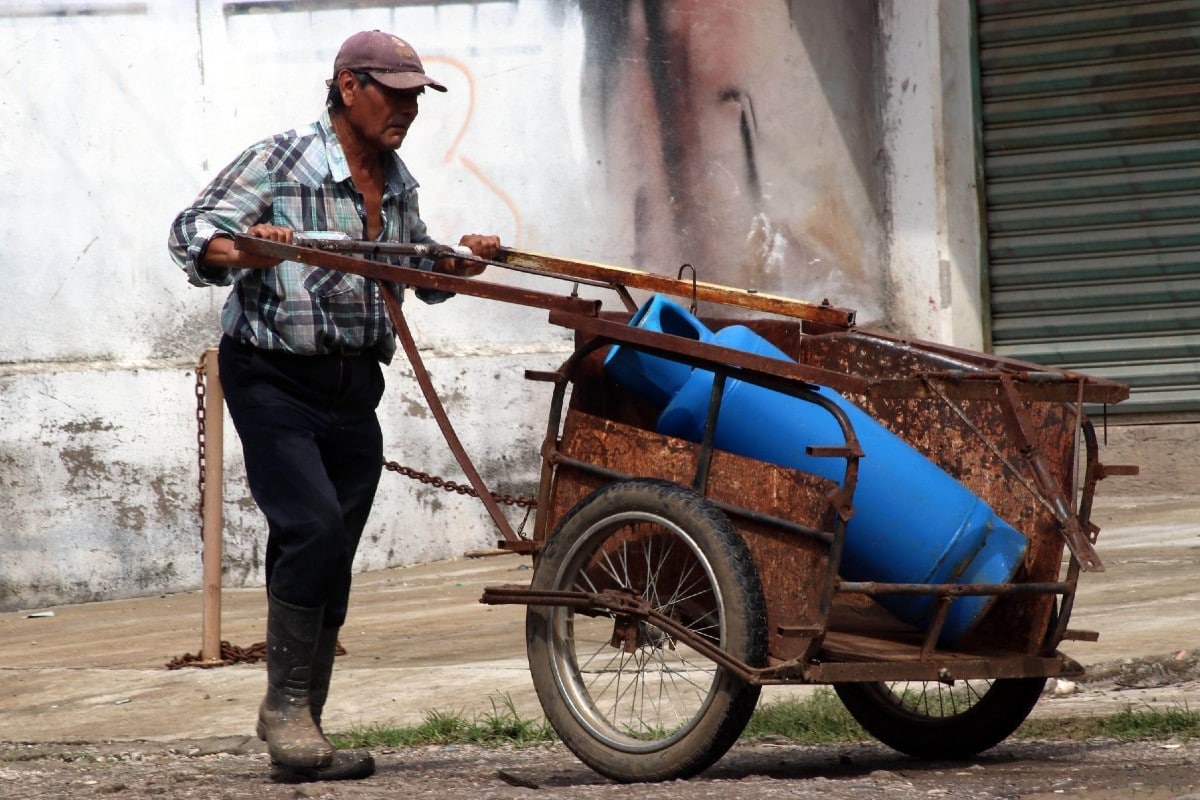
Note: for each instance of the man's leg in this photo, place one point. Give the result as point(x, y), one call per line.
point(278, 406)
point(352, 452)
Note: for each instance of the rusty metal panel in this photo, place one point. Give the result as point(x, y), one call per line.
point(971, 441)
point(793, 568)
point(1015, 447)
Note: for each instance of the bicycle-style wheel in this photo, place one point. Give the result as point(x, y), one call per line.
point(630, 699)
point(935, 720)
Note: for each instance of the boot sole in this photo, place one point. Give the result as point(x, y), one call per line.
point(323, 762)
point(345, 767)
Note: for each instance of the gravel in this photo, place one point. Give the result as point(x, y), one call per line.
point(231, 769)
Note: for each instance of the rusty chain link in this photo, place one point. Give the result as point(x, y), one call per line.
point(409, 472)
point(231, 654)
point(201, 443)
point(456, 487)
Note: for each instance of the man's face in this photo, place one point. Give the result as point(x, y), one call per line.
point(380, 115)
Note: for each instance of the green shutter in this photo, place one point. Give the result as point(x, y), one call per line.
point(1091, 140)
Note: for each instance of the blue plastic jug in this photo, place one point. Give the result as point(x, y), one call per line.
point(652, 377)
point(913, 523)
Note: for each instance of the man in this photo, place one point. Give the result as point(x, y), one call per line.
point(300, 363)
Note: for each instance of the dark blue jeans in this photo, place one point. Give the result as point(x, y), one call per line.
point(314, 453)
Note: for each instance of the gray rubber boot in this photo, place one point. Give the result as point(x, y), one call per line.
point(346, 764)
point(285, 719)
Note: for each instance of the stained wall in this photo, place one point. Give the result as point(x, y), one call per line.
point(757, 141)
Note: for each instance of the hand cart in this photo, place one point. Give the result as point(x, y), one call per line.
point(674, 579)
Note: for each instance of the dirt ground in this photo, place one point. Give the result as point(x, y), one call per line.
point(1093, 770)
point(88, 709)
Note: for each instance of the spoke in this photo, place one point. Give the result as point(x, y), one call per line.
point(617, 677)
point(631, 685)
point(690, 667)
point(936, 699)
point(590, 587)
point(606, 565)
point(677, 598)
point(601, 647)
point(685, 580)
point(711, 630)
point(681, 674)
point(665, 698)
point(650, 592)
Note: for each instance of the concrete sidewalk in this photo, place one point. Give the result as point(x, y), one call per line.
point(419, 640)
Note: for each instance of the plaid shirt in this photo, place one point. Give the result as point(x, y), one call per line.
point(300, 180)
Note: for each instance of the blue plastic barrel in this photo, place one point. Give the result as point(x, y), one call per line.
point(652, 377)
point(913, 523)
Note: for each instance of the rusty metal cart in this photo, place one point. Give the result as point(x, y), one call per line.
point(673, 579)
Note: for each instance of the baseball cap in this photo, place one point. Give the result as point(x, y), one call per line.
point(386, 58)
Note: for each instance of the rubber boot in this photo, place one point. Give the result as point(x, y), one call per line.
point(322, 671)
point(285, 719)
point(346, 764)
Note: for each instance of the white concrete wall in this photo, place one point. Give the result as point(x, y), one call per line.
point(934, 276)
point(551, 136)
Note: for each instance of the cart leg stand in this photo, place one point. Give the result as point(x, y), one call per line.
point(214, 430)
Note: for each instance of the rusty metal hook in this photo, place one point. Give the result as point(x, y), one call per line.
point(679, 276)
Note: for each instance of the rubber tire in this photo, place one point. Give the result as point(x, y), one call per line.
point(570, 705)
point(998, 712)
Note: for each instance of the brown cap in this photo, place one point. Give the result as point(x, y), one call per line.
point(386, 58)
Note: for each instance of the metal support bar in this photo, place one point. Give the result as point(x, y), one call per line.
point(699, 290)
point(1023, 437)
point(416, 277)
point(952, 589)
point(705, 455)
point(443, 420)
point(619, 603)
point(773, 373)
point(915, 666)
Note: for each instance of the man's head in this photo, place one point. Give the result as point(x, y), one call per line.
point(388, 59)
point(377, 80)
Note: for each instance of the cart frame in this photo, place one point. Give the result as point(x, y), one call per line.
point(1015, 433)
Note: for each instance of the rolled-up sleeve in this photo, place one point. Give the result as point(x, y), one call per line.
point(237, 198)
point(419, 234)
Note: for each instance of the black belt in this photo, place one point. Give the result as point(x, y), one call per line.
point(353, 352)
point(339, 352)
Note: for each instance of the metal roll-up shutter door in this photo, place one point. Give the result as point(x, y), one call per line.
point(1091, 150)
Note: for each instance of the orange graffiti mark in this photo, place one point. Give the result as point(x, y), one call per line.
point(452, 152)
point(500, 193)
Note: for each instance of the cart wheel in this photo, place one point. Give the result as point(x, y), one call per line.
point(629, 699)
point(934, 720)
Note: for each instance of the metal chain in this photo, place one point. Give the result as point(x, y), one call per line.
point(201, 384)
point(458, 488)
point(423, 477)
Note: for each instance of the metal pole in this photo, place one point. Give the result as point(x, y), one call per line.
point(214, 421)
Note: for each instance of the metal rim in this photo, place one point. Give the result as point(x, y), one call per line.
point(610, 691)
point(934, 700)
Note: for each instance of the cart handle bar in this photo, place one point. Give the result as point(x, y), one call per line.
point(574, 270)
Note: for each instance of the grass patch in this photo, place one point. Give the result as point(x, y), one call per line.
point(1129, 724)
point(500, 726)
point(818, 719)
